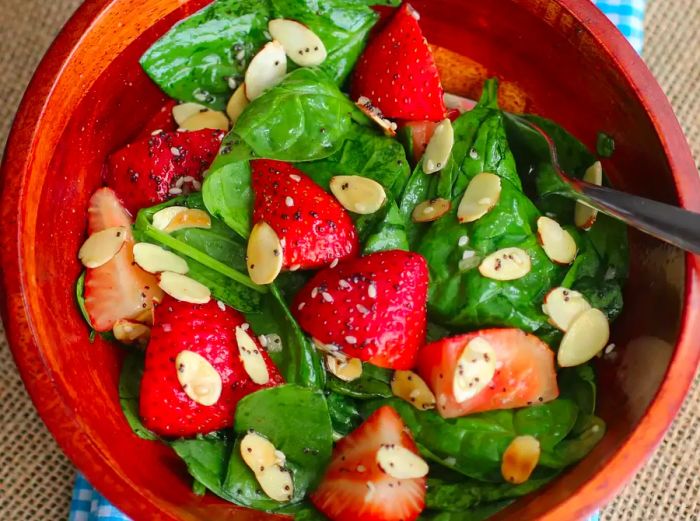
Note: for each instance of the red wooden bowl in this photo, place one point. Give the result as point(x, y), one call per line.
point(89, 96)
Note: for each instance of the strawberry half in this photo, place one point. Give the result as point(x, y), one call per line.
point(209, 331)
point(162, 120)
point(356, 488)
point(373, 308)
point(313, 227)
point(146, 172)
point(118, 289)
point(397, 71)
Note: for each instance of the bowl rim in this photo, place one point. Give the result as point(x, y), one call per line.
point(76, 443)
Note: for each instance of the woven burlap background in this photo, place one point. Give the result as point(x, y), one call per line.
point(35, 477)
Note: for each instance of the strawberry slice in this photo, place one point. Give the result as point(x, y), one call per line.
point(209, 331)
point(157, 167)
point(372, 308)
point(119, 288)
point(162, 120)
point(356, 488)
point(524, 372)
point(397, 71)
point(314, 228)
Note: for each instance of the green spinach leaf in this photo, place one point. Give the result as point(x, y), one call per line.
point(345, 416)
point(375, 382)
point(129, 388)
point(206, 458)
point(605, 145)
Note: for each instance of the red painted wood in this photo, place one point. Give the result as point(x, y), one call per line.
point(89, 96)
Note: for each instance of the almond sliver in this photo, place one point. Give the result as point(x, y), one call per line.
point(520, 459)
point(162, 218)
point(183, 288)
point(358, 194)
point(431, 210)
point(253, 361)
point(556, 242)
point(184, 111)
point(563, 306)
point(481, 195)
point(401, 463)
point(410, 387)
point(237, 104)
point(102, 246)
point(266, 69)
point(131, 332)
point(264, 253)
point(154, 259)
point(198, 378)
point(475, 369)
point(276, 482)
point(506, 264)
point(344, 368)
point(209, 119)
point(258, 452)
point(587, 336)
point(439, 148)
point(584, 215)
point(300, 43)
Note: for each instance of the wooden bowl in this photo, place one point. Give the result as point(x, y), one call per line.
point(89, 96)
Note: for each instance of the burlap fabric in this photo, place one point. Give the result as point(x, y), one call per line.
point(35, 477)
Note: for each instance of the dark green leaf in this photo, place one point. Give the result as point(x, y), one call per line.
point(129, 388)
point(344, 414)
point(605, 145)
point(375, 382)
point(206, 458)
point(480, 513)
point(198, 488)
point(388, 233)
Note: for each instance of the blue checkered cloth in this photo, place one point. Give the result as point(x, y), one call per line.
point(89, 505)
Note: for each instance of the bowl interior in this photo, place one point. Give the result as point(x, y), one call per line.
point(102, 98)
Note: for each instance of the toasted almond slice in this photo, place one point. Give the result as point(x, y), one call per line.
point(506, 264)
point(154, 259)
point(198, 378)
point(431, 210)
point(189, 218)
point(162, 218)
point(439, 148)
point(183, 288)
point(587, 336)
point(101, 246)
point(212, 119)
point(367, 107)
point(520, 459)
point(184, 111)
point(556, 242)
point(410, 387)
point(347, 369)
point(452, 101)
point(131, 332)
point(584, 215)
point(301, 44)
point(265, 254)
point(475, 369)
point(266, 69)
point(358, 194)
point(276, 482)
point(481, 195)
point(329, 349)
point(401, 463)
point(237, 104)
point(145, 317)
point(253, 361)
point(258, 452)
point(273, 343)
point(563, 306)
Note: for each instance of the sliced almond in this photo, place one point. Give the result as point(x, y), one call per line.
point(584, 215)
point(329, 349)
point(102, 246)
point(358, 194)
point(347, 369)
point(184, 111)
point(475, 369)
point(506, 264)
point(401, 463)
point(146, 316)
point(212, 119)
point(410, 387)
point(266, 69)
point(198, 378)
point(131, 332)
point(237, 104)
point(258, 452)
point(367, 107)
point(587, 336)
point(264, 254)
point(439, 148)
point(520, 459)
point(251, 357)
point(431, 210)
point(162, 218)
point(154, 259)
point(556, 242)
point(563, 306)
point(481, 195)
point(276, 482)
point(189, 218)
point(301, 44)
point(452, 101)
point(183, 288)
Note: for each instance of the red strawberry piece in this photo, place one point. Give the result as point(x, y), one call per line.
point(209, 331)
point(313, 227)
point(372, 308)
point(397, 71)
point(162, 120)
point(356, 488)
point(147, 171)
point(119, 288)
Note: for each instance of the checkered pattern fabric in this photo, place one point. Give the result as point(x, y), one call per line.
point(89, 505)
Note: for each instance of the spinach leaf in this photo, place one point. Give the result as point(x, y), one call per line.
point(214, 256)
point(195, 59)
point(305, 117)
point(575, 448)
point(375, 382)
point(298, 360)
point(605, 145)
point(129, 388)
point(344, 414)
point(387, 233)
point(296, 420)
point(480, 513)
point(206, 458)
point(309, 513)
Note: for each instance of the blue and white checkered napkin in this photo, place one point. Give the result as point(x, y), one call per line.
point(89, 505)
